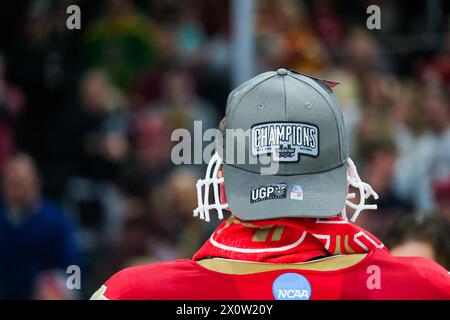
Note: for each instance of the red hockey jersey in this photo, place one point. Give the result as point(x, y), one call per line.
point(375, 275)
point(286, 259)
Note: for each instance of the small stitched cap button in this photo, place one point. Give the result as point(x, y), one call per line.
point(282, 71)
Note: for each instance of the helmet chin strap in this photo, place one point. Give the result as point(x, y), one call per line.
point(211, 178)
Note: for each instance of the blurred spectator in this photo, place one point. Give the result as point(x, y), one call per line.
point(423, 236)
point(11, 106)
point(379, 158)
point(286, 38)
point(35, 236)
point(181, 104)
point(153, 157)
point(328, 24)
point(362, 53)
point(407, 122)
point(380, 91)
point(93, 144)
point(175, 214)
point(122, 42)
point(436, 70)
point(40, 64)
point(190, 35)
point(429, 162)
point(97, 130)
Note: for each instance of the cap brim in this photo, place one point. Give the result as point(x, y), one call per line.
point(323, 194)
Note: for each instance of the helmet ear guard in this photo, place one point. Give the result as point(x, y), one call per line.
point(214, 176)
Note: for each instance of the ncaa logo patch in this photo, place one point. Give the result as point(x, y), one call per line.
point(291, 286)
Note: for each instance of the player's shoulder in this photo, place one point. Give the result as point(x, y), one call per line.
point(417, 271)
point(423, 267)
point(143, 282)
point(428, 270)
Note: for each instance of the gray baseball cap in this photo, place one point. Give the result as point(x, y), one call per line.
point(293, 122)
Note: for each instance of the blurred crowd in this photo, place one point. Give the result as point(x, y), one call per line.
point(86, 117)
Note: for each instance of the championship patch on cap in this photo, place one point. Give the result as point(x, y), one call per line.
point(268, 192)
point(285, 141)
